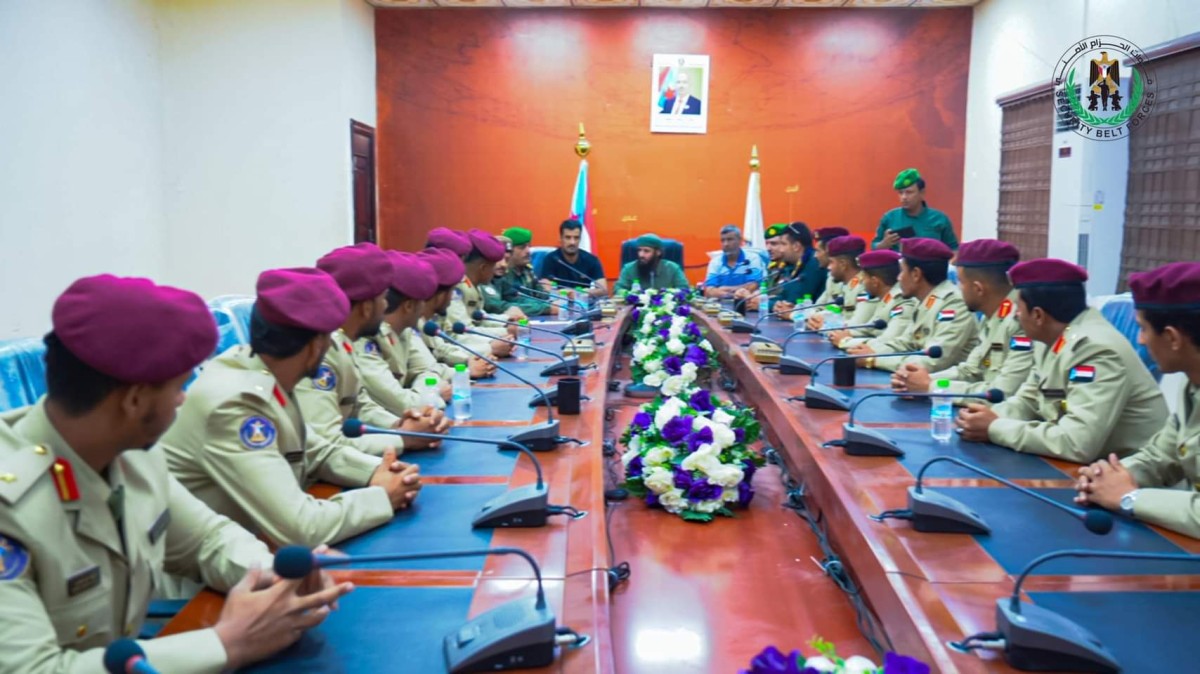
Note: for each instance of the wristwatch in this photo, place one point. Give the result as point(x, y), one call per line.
point(1127, 502)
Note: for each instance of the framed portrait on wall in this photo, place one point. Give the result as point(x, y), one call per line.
point(679, 93)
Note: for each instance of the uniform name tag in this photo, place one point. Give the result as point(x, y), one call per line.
point(82, 581)
point(996, 347)
point(1054, 393)
point(294, 457)
point(160, 526)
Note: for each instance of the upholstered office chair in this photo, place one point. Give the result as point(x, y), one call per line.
point(672, 250)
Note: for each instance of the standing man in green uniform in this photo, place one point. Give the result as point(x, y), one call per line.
point(650, 270)
point(801, 276)
point(1004, 355)
point(88, 516)
point(241, 444)
point(519, 281)
point(1160, 483)
point(1087, 395)
point(913, 218)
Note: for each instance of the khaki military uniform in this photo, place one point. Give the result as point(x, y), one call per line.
point(77, 573)
point(445, 352)
point(1002, 358)
point(1167, 470)
point(832, 289)
point(942, 318)
point(1086, 396)
point(337, 394)
point(893, 307)
point(240, 444)
point(383, 363)
point(424, 359)
point(461, 311)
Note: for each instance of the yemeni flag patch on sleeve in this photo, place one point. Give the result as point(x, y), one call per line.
point(863, 297)
point(946, 315)
point(1019, 343)
point(896, 311)
point(1082, 374)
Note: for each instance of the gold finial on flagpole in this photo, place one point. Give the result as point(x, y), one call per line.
point(582, 146)
point(754, 158)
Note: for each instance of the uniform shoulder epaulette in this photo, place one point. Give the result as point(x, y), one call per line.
point(22, 464)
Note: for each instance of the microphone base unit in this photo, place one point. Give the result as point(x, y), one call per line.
point(822, 397)
point(521, 507)
point(517, 635)
point(539, 438)
point(582, 327)
point(793, 365)
point(742, 327)
point(640, 390)
point(551, 396)
point(860, 441)
point(1036, 640)
point(936, 513)
point(568, 367)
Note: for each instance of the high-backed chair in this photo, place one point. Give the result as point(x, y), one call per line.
point(22, 372)
point(536, 255)
point(672, 250)
point(237, 308)
point(1119, 311)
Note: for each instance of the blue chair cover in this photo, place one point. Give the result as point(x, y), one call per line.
point(672, 250)
point(22, 372)
point(536, 255)
point(237, 308)
point(1120, 312)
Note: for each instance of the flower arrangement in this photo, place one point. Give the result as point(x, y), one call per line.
point(773, 661)
point(690, 455)
point(669, 348)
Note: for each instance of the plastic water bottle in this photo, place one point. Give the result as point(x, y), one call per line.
point(803, 308)
point(834, 318)
point(563, 314)
point(523, 339)
point(458, 294)
point(637, 287)
point(461, 394)
point(429, 393)
point(941, 415)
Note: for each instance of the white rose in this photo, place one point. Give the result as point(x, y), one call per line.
point(706, 346)
point(725, 476)
point(723, 436)
point(708, 506)
point(652, 365)
point(689, 370)
point(672, 500)
point(641, 351)
point(658, 480)
point(859, 665)
point(674, 332)
point(635, 447)
point(673, 386)
point(675, 346)
point(729, 494)
point(647, 328)
point(669, 410)
point(722, 417)
point(821, 664)
point(659, 456)
point(702, 460)
point(654, 378)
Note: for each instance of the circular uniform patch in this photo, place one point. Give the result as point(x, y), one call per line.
point(371, 347)
point(257, 432)
point(325, 380)
point(13, 558)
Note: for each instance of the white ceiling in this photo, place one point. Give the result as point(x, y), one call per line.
point(685, 4)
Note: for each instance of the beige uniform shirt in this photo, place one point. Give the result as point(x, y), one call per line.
point(73, 579)
point(383, 363)
point(1086, 396)
point(240, 444)
point(832, 289)
point(1002, 358)
point(461, 311)
point(1167, 470)
point(893, 307)
point(337, 394)
point(428, 353)
point(447, 353)
point(942, 318)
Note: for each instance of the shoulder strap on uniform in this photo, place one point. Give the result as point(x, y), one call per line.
point(22, 463)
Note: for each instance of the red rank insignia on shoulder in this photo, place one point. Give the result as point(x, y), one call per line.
point(64, 481)
point(854, 282)
point(349, 349)
point(1005, 308)
point(279, 397)
point(1062, 341)
point(887, 298)
point(930, 301)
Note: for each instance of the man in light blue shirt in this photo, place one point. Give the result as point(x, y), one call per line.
point(733, 268)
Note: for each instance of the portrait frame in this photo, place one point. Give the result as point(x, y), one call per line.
point(670, 76)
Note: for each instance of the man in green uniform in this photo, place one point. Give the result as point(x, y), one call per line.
point(841, 262)
point(800, 276)
point(941, 316)
point(241, 443)
point(650, 270)
point(774, 244)
point(881, 271)
point(89, 517)
point(1160, 483)
point(519, 281)
point(1087, 395)
point(1004, 355)
point(913, 218)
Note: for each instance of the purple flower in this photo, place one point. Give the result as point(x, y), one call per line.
point(894, 663)
point(693, 330)
point(748, 469)
point(665, 334)
point(643, 420)
point(683, 310)
point(677, 429)
point(656, 301)
point(635, 315)
point(703, 490)
point(704, 436)
point(634, 469)
point(745, 493)
point(673, 365)
point(772, 661)
point(683, 479)
point(696, 356)
point(739, 434)
point(681, 296)
point(633, 299)
point(652, 499)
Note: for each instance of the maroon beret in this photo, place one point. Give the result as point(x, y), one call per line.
point(448, 266)
point(302, 297)
point(134, 330)
point(1174, 286)
point(827, 233)
point(987, 253)
point(1046, 271)
point(362, 270)
point(878, 259)
point(925, 250)
point(412, 275)
point(487, 244)
point(845, 245)
point(448, 239)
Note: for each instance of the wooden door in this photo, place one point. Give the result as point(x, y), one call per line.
point(362, 156)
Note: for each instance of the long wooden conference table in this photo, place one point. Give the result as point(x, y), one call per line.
point(706, 598)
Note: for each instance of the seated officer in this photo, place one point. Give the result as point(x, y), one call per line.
point(241, 445)
point(384, 359)
point(336, 394)
point(841, 260)
point(732, 269)
point(1159, 483)
point(822, 236)
point(800, 275)
point(941, 316)
point(880, 271)
point(479, 266)
point(650, 270)
point(774, 244)
point(518, 283)
point(1087, 395)
point(492, 302)
point(1004, 355)
point(434, 353)
point(88, 517)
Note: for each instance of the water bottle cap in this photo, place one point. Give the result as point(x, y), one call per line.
point(943, 383)
point(523, 322)
point(461, 367)
point(431, 381)
point(835, 310)
point(808, 298)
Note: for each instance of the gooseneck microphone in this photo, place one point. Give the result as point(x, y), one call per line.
point(126, 656)
point(539, 437)
point(568, 366)
point(579, 327)
point(827, 398)
point(515, 635)
point(543, 397)
point(790, 365)
point(1038, 639)
point(933, 512)
point(862, 441)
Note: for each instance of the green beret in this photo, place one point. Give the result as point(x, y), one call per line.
point(649, 241)
point(518, 235)
point(776, 229)
point(906, 178)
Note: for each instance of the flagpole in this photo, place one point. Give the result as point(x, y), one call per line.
point(752, 223)
point(581, 202)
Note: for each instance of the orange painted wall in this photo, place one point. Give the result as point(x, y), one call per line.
point(479, 110)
